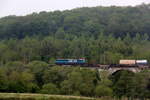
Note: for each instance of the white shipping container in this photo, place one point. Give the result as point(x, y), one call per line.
point(141, 61)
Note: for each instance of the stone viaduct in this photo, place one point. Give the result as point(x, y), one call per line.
point(114, 69)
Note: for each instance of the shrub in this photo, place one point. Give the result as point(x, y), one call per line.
point(102, 90)
point(49, 89)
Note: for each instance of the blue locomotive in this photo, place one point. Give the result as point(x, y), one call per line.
point(70, 61)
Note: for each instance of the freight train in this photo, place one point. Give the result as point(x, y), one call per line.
point(70, 61)
point(84, 63)
point(130, 63)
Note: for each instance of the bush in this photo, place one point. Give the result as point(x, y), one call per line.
point(102, 90)
point(50, 89)
point(33, 88)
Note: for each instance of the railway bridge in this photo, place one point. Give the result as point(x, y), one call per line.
point(113, 69)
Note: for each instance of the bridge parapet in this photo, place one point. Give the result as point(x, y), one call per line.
point(132, 69)
point(114, 68)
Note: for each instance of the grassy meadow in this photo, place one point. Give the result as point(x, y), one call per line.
point(27, 96)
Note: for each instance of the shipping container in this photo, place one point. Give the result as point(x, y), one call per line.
point(141, 62)
point(127, 62)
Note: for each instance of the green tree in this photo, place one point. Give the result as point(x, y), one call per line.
point(50, 89)
point(142, 84)
point(3, 81)
point(37, 68)
point(102, 90)
point(124, 84)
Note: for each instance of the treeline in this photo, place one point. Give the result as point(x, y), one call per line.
point(104, 35)
point(38, 77)
point(103, 50)
point(82, 21)
point(100, 34)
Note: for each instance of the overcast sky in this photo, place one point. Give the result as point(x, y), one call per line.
point(23, 7)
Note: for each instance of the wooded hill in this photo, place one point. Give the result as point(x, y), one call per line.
point(82, 21)
point(99, 34)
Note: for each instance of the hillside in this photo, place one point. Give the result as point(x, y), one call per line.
point(100, 34)
point(117, 21)
point(30, 45)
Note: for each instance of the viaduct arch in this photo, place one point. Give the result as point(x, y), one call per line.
point(112, 70)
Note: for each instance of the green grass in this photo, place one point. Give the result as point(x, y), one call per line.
point(26, 96)
point(31, 96)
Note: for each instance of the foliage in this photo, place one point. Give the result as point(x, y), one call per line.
point(72, 81)
point(101, 35)
point(49, 89)
point(103, 90)
point(82, 21)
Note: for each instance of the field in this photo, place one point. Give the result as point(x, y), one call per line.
point(30, 96)
point(27, 96)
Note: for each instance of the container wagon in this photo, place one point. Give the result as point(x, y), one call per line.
point(132, 63)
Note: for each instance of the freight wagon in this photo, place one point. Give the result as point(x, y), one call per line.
point(133, 62)
point(127, 62)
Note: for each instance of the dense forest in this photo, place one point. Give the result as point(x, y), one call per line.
point(117, 21)
point(38, 77)
point(100, 34)
point(104, 35)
